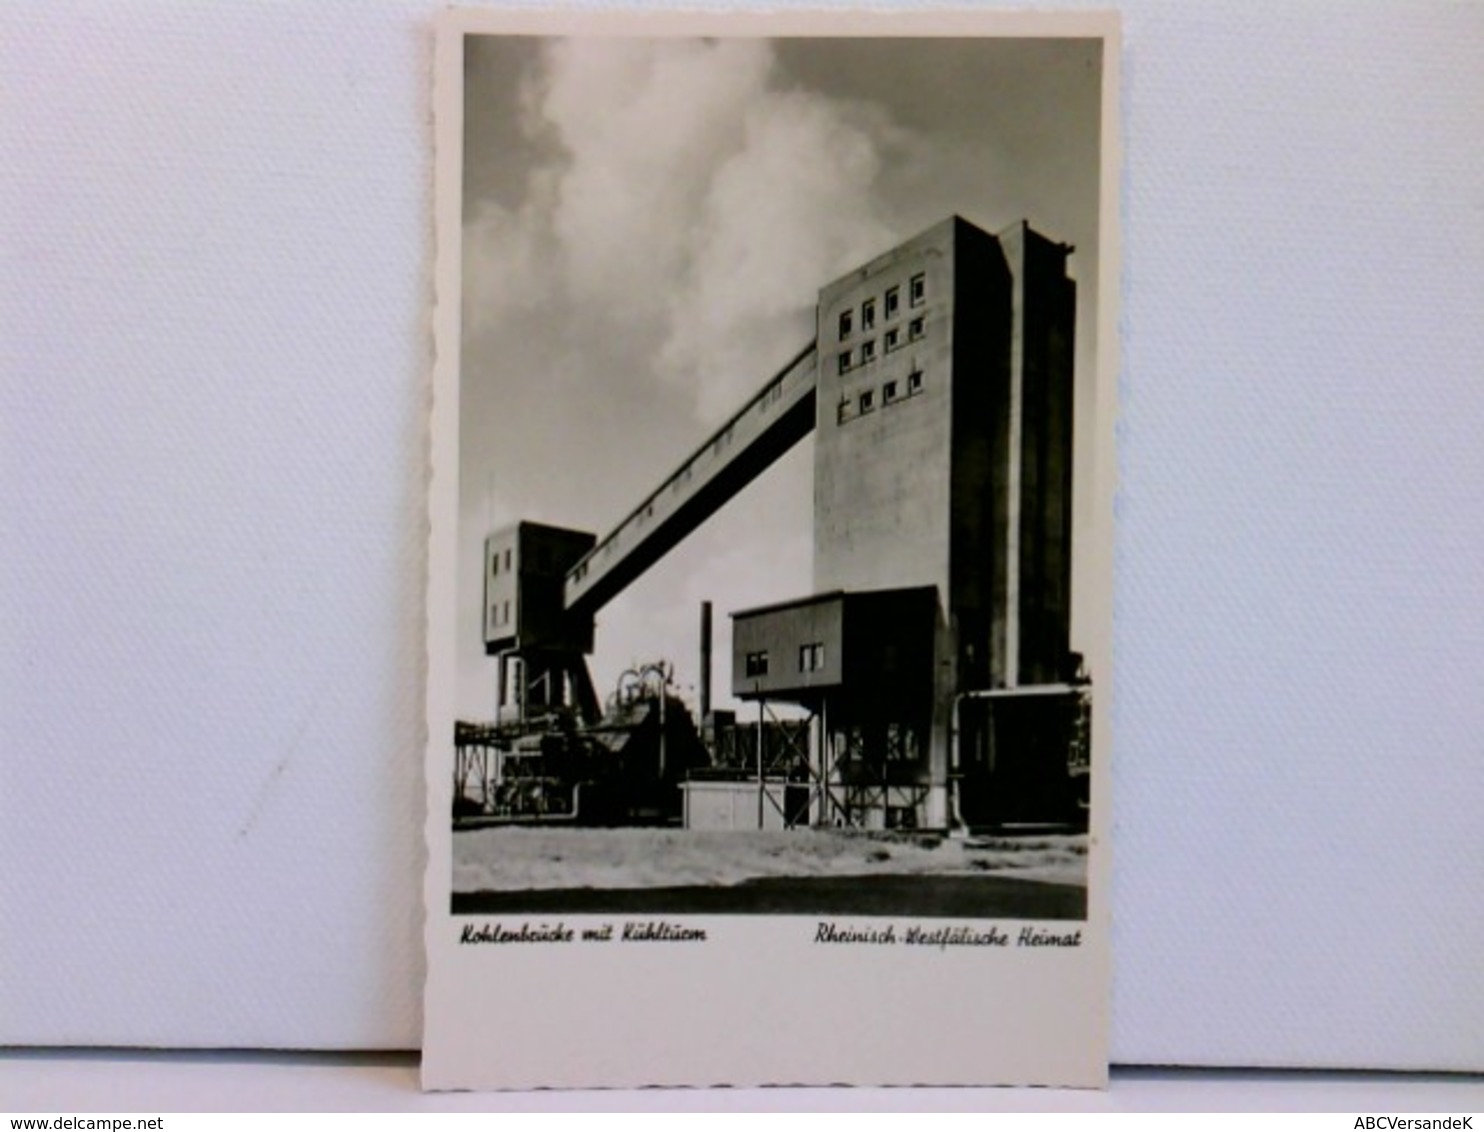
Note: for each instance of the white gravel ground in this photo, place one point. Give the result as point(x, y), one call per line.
point(508, 858)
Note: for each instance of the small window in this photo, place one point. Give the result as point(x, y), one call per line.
point(495, 565)
point(505, 615)
point(868, 351)
point(868, 314)
point(901, 745)
point(914, 382)
point(868, 400)
point(757, 664)
point(845, 324)
point(917, 327)
point(494, 615)
point(507, 558)
point(893, 339)
point(811, 657)
point(918, 291)
point(893, 301)
point(888, 392)
point(842, 411)
point(845, 361)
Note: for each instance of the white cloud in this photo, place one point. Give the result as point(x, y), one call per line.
point(644, 124)
point(687, 203)
point(790, 209)
point(681, 210)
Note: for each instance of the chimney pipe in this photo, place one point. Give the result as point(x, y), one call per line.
point(705, 660)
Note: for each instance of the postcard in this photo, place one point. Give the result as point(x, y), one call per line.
point(769, 606)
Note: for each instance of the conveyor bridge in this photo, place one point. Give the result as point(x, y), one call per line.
point(773, 421)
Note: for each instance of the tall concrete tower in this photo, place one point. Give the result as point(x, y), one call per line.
point(943, 460)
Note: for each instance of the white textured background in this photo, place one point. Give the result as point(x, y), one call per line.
point(216, 247)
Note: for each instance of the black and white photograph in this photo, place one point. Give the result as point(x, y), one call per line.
point(766, 457)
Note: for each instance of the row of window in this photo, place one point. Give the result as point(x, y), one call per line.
point(500, 614)
point(538, 559)
point(811, 659)
point(891, 306)
point(770, 396)
point(891, 340)
point(891, 392)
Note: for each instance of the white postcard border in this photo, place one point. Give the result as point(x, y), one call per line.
point(759, 1001)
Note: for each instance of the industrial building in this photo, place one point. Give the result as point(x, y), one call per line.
point(932, 657)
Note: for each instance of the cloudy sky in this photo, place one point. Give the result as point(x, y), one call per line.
point(646, 226)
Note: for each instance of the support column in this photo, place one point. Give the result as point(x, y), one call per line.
point(819, 793)
point(761, 784)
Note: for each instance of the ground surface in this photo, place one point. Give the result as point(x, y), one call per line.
point(903, 894)
point(798, 871)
